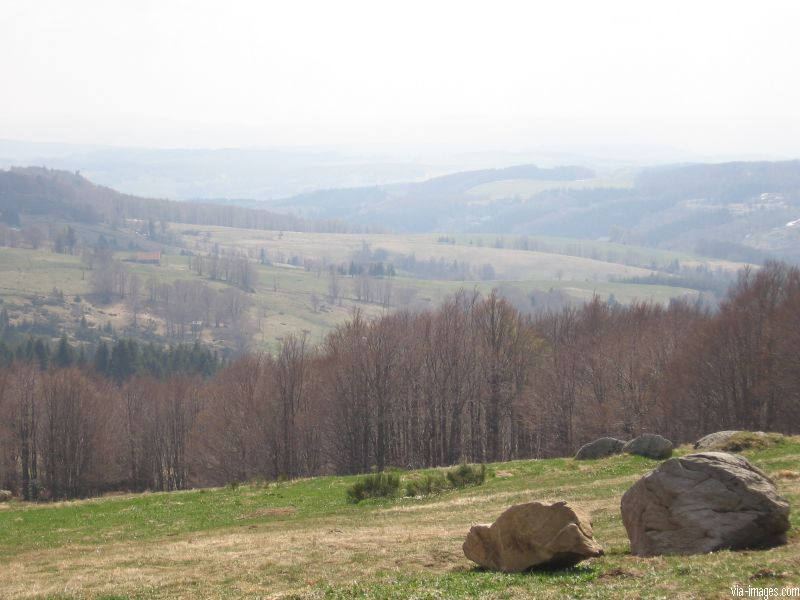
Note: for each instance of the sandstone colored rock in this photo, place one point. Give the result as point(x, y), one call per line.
point(649, 445)
point(5, 495)
point(533, 535)
point(600, 448)
point(701, 503)
point(712, 440)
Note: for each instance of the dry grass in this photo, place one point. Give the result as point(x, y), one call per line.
point(412, 547)
point(260, 557)
point(281, 557)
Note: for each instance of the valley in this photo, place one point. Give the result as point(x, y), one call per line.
point(293, 281)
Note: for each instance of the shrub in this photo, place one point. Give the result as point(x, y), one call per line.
point(377, 485)
point(464, 475)
point(429, 483)
point(458, 477)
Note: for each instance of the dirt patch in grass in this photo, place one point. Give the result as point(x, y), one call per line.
point(620, 574)
point(768, 574)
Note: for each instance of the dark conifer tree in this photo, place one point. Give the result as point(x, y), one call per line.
point(41, 352)
point(101, 359)
point(65, 355)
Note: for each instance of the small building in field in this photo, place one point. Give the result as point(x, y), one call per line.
point(147, 258)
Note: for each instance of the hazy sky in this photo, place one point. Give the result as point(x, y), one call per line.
point(704, 76)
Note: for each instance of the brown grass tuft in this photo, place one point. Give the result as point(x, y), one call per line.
point(620, 574)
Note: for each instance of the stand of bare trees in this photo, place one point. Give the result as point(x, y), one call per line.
point(234, 268)
point(471, 381)
point(57, 431)
point(742, 368)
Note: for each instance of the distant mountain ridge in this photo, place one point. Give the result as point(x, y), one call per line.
point(411, 206)
point(38, 191)
point(744, 211)
point(740, 211)
point(273, 172)
point(463, 181)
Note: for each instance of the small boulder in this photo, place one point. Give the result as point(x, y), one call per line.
point(600, 448)
point(702, 503)
point(736, 441)
point(533, 535)
point(713, 440)
point(5, 495)
point(649, 445)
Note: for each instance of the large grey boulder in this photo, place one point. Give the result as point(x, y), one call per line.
point(5, 495)
point(649, 445)
point(600, 448)
point(533, 535)
point(713, 440)
point(701, 503)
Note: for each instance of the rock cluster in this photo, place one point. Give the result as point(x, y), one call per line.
point(647, 444)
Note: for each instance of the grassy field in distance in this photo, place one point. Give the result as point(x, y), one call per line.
point(577, 259)
point(600, 250)
point(289, 308)
point(303, 540)
point(525, 188)
point(290, 299)
point(38, 272)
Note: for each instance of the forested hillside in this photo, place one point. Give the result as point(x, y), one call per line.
point(438, 204)
point(42, 191)
point(473, 380)
point(744, 211)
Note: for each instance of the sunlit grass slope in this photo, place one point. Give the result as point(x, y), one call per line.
point(304, 540)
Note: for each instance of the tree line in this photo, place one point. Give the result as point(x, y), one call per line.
point(474, 380)
point(118, 360)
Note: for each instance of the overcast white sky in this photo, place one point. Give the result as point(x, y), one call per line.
point(704, 76)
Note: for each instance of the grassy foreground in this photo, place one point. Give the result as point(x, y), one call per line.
point(304, 540)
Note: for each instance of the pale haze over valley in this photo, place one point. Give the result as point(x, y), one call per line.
point(704, 79)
